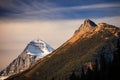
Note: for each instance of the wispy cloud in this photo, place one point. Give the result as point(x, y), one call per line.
point(93, 6)
point(20, 8)
point(49, 10)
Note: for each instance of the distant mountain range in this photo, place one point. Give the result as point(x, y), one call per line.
point(35, 50)
point(92, 53)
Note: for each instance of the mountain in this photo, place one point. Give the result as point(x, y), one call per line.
point(92, 53)
point(35, 50)
point(38, 48)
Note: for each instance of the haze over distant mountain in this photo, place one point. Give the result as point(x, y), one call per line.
point(92, 53)
point(35, 50)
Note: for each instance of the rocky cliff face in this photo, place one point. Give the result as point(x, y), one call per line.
point(93, 53)
point(35, 50)
point(21, 63)
point(85, 27)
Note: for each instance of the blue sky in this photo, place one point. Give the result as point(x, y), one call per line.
point(53, 21)
point(58, 9)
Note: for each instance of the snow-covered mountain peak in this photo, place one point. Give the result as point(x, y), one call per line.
point(34, 51)
point(38, 41)
point(38, 48)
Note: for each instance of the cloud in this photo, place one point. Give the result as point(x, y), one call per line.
point(38, 10)
point(93, 6)
point(21, 8)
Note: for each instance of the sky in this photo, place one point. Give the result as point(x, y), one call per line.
point(53, 21)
